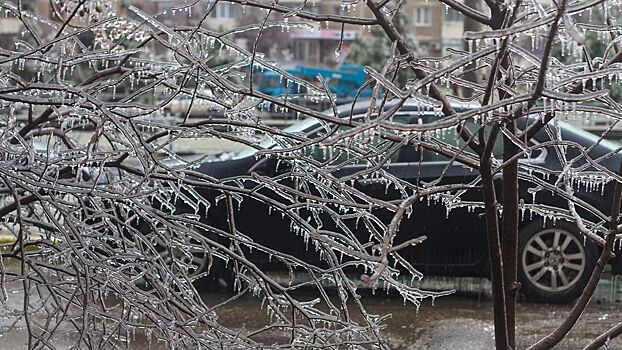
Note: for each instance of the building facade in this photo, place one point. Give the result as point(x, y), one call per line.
point(429, 24)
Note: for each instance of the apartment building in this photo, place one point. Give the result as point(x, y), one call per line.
point(434, 27)
point(10, 27)
point(292, 44)
point(430, 24)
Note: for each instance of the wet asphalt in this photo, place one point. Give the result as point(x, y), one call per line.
point(464, 321)
point(459, 321)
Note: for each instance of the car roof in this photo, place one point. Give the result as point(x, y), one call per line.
point(410, 104)
point(308, 124)
point(359, 107)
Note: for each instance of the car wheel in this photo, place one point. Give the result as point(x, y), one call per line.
point(554, 264)
point(196, 259)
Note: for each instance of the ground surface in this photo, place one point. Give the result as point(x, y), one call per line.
point(465, 321)
point(459, 321)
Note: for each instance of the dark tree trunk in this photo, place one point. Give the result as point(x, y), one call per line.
point(494, 250)
point(509, 244)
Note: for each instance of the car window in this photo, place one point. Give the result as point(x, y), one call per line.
point(408, 154)
point(405, 154)
point(338, 156)
point(267, 143)
point(452, 139)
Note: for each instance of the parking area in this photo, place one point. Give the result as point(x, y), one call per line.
point(464, 320)
point(459, 321)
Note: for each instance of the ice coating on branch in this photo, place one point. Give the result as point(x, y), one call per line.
point(96, 139)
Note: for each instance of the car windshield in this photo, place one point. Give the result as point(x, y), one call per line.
point(309, 124)
point(268, 143)
point(592, 138)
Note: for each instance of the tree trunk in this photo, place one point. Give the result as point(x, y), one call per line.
point(494, 252)
point(509, 244)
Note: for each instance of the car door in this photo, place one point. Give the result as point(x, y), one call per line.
point(261, 216)
point(456, 241)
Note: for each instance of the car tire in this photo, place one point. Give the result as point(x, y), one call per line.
point(214, 279)
point(554, 263)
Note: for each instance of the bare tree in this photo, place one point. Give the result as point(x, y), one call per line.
point(111, 226)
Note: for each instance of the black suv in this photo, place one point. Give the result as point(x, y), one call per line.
point(555, 261)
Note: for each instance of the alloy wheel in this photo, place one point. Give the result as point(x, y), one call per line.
point(177, 254)
point(554, 260)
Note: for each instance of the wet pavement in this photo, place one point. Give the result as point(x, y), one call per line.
point(460, 321)
point(464, 321)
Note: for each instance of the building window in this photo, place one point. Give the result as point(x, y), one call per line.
point(422, 16)
point(223, 10)
point(452, 15)
point(301, 50)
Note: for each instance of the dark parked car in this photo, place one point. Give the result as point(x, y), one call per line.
point(554, 261)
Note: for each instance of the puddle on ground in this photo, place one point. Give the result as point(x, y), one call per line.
point(460, 321)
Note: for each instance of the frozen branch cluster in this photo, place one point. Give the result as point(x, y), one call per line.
point(106, 216)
